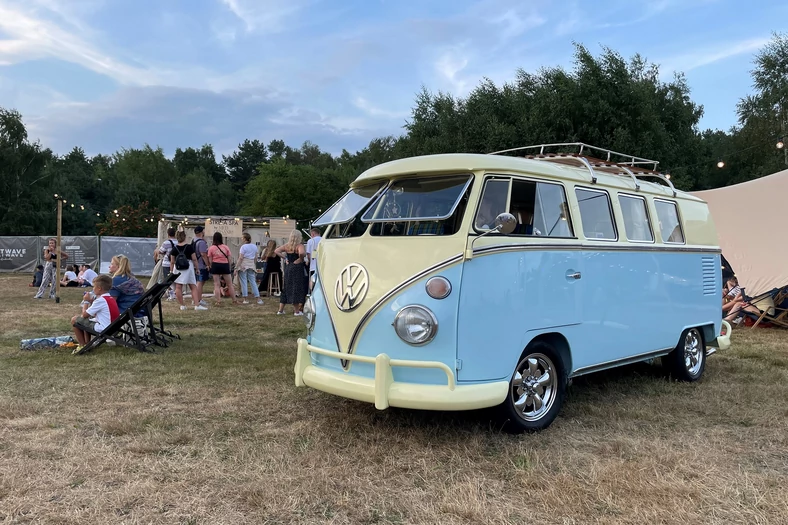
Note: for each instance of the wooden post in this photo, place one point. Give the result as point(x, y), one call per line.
point(58, 249)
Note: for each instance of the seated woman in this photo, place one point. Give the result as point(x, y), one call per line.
point(126, 289)
point(70, 277)
point(731, 296)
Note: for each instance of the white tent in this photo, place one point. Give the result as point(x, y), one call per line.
point(751, 225)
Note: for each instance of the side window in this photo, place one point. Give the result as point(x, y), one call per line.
point(596, 213)
point(669, 224)
point(493, 203)
point(636, 223)
point(540, 209)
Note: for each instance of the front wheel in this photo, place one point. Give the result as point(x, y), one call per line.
point(688, 360)
point(536, 390)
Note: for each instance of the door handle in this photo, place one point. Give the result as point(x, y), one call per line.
point(573, 275)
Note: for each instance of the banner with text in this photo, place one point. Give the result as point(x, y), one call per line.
point(139, 250)
point(81, 249)
point(18, 254)
point(227, 227)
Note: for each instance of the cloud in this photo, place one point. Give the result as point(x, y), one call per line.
point(173, 117)
point(33, 38)
point(373, 111)
point(710, 54)
point(266, 16)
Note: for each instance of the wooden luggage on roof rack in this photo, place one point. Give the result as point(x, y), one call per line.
point(614, 163)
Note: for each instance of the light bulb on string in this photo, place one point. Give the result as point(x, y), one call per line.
point(780, 144)
point(667, 176)
point(721, 164)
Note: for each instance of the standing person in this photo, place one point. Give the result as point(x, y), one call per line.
point(220, 259)
point(311, 252)
point(50, 260)
point(246, 269)
point(163, 253)
point(295, 286)
point(200, 246)
point(273, 264)
point(184, 263)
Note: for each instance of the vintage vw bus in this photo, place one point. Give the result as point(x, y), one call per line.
point(454, 282)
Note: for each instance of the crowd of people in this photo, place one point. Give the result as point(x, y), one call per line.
point(195, 263)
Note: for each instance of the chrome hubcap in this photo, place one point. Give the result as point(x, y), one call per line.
point(692, 352)
point(534, 387)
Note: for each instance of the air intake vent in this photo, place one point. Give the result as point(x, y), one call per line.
point(710, 268)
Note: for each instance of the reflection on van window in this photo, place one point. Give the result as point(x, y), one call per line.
point(427, 198)
point(540, 209)
point(636, 224)
point(493, 203)
point(349, 205)
point(669, 225)
point(596, 214)
point(426, 206)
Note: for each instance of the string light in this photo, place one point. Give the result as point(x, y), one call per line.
point(780, 144)
point(720, 164)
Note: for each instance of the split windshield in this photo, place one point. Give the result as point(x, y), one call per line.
point(351, 203)
point(418, 199)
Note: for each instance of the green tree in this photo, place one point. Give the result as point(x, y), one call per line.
point(241, 165)
point(26, 191)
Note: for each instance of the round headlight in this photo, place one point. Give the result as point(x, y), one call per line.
point(416, 325)
point(309, 313)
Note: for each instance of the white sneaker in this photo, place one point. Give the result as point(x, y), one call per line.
point(184, 307)
point(260, 301)
point(203, 303)
point(200, 307)
point(280, 313)
point(298, 314)
point(244, 302)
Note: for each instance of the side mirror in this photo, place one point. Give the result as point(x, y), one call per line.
point(505, 223)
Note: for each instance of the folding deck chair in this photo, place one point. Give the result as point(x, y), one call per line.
point(124, 330)
point(779, 297)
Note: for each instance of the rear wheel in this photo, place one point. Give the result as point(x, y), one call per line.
point(688, 360)
point(536, 390)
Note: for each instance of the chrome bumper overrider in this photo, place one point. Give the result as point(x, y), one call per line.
point(384, 392)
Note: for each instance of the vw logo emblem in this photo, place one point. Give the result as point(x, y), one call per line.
point(351, 287)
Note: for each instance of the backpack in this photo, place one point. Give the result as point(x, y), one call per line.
point(181, 261)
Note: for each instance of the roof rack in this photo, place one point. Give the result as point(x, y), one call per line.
point(613, 162)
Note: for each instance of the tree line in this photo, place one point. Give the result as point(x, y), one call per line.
point(604, 100)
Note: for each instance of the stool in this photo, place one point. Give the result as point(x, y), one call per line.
point(274, 284)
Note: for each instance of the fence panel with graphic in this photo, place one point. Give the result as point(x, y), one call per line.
point(19, 254)
point(139, 250)
point(82, 249)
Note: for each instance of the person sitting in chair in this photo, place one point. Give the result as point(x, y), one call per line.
point(96, 315)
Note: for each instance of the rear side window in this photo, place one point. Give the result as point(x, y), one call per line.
point(636, 223)
point(669, 224)
point(596, 214)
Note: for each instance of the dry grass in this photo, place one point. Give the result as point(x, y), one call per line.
point(212, 430)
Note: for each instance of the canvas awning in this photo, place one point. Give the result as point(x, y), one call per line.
point(751, 225)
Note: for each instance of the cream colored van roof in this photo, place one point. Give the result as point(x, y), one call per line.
point(750, 219)
point(465, 162)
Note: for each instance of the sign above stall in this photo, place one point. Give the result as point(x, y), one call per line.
point(227, 227)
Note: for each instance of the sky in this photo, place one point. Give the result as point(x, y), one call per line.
point(110, 74)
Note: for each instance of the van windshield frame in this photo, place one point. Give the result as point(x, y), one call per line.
point(377, 211)
point(350, 204)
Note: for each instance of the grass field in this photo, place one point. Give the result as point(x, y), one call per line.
point(212, 430)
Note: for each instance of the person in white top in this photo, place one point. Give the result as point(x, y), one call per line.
point(96, 315)
point(87, 275)
point(163, 253)
point(311, 248)
point(70, 277)
point(247, 273)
